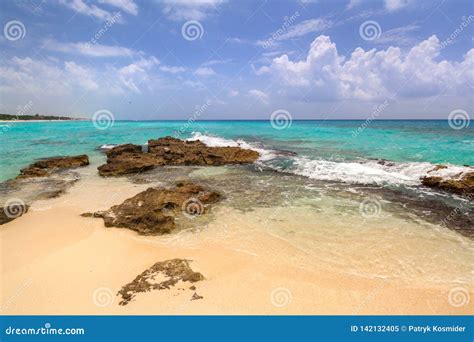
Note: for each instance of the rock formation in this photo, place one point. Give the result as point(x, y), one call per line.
point(44, 167)
point(129, 158)
point(153, 211)
point(171, 271)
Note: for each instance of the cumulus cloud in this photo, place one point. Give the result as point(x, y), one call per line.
point(373, 74)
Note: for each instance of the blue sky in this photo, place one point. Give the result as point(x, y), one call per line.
point(237, 59)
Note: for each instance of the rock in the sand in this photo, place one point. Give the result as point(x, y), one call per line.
point(129, 158)
point(170, 272)
point(462, 185)
point(153, 211)
point(44, 167)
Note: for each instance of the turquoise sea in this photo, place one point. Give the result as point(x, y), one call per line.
point(325, 149)
point(347, 198)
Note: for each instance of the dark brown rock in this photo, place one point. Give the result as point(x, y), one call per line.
point(463, 185)
point(152, 211)
point(129, 158)
point(44, 167)
point(172, 271)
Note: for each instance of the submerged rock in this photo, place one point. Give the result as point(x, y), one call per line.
point(463, 185)
point(170, 272)
point(153, 211)
point(44, 167)
point(129, 158)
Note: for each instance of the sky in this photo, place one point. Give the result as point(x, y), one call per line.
point(230, 59)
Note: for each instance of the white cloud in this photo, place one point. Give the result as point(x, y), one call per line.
point(172, 69)
point(371, 75)
point(295, 31)
point(51, 77)
point(189, 10)
point(88, 9)
point(204, 71)
point(128, 6)
point(216, 61)
point(353, 3)
point(390, 5)
point(305, 27)
point(259, 95)
point(395, 5)
point(91, 50)
point(400, 35)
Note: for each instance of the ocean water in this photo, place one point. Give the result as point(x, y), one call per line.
point(349, 201)
point(328, 150)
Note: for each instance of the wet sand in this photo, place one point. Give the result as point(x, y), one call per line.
point(54, 261)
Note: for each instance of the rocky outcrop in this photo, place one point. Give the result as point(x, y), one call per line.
point(162, 275)
point(153, 211)
point(129, 158)
point(44, 167)
point(462, 185)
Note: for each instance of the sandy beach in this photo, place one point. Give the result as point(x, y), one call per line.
point(54, 261)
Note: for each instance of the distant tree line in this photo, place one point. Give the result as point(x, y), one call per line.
point(33, 117)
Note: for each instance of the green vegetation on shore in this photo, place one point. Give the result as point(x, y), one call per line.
point(12, 117)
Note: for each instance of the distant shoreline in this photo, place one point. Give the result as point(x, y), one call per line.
point(61, 120)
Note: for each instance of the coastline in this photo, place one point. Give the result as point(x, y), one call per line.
point(61, 120)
